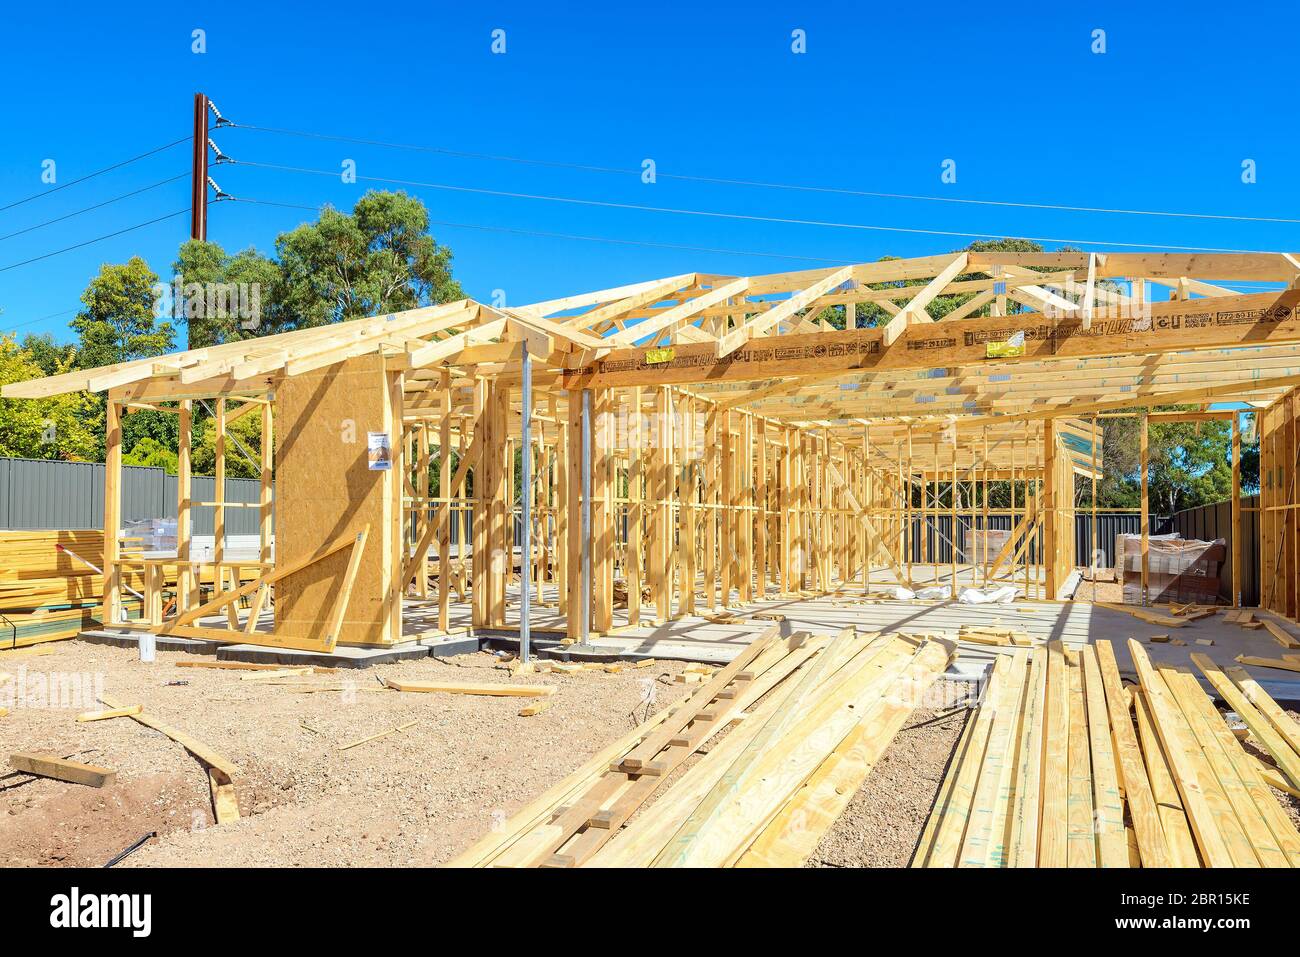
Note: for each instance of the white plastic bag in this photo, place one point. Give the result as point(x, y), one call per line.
point(940, 592)
point(977, 596)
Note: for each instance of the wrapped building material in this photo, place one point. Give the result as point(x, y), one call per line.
point(1179, 570)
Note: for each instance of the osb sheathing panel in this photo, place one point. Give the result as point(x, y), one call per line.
point(326, 489)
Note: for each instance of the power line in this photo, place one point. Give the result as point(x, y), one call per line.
point(97, 239)
point(591, 239)
point(613, 240)
point(714, 214)
point(98, 172)
point(761, 184)
point(107, 202)
point(32, 322)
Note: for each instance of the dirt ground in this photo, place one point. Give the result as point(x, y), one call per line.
point(1103, 590)
point(409, 799)
point(413, 798)
point(883, 823)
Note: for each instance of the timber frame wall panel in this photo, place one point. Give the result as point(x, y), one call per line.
point(1279, 534)
point(324, 417)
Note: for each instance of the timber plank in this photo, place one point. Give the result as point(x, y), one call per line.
point(1112, 845)
point(1169, 804)
point(1201, 801)
point(983, 844)
point(49, 766)
point(1054, 829)
point(1081, 840)
point(470, 688)
point(1132, 774)
point(792, 836)
point(1281, 833)
point(1248, 824)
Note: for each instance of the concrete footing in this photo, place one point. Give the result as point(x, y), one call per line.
point(127, 638)
point(340, 657)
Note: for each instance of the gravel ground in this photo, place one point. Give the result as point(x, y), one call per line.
point(883, 823)
point(1100, 591)
point(409, 799)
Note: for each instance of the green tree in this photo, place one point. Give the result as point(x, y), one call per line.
point(53, 428)
point(378, 258)
point(870, 315)
point(1189, 464)
point(243, 446)
point(153, 453)
point(223, 298)
point(52, 357)
point(117, 323)
point(147, 425)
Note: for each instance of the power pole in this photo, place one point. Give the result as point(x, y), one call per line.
point(199, 171)
point(199, 178)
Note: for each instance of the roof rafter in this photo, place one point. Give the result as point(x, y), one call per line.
point(914, 311)
point(733, 340)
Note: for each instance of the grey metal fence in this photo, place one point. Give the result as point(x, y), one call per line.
point(1109, 524)
point(40, 494)
point(940, 540)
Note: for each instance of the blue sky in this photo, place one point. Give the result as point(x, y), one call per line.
point(882, 97)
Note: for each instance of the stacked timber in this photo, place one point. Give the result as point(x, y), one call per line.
point(1275, 731)
point(45, 593)
point(808, 718)
point(48, 592)
point(993, 635)
point(47, 569)
point(1061, 765)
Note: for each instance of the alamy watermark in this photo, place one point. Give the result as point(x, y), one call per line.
point(1111, 304)
point(209, 300)
point(51, 689)
point(624, 429)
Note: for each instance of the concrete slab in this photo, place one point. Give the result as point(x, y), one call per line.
point(452, 645)
point(340, 657)
point(131, 639)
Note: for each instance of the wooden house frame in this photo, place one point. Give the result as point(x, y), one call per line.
point(700, 439)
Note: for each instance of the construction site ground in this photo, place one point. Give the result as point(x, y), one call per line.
point(411, 798)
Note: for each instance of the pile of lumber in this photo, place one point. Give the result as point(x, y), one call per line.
point(1243, 617)
point(1144, 614)
point(47, 594)
point(21, 628)
point(1275, 731)
point(620, 594)
point(807, 717)
point(1062, 765)
point(1192, 611)
point(994, 635)
point(28, 555)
